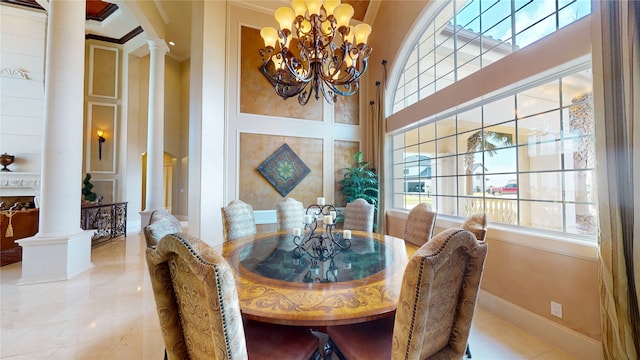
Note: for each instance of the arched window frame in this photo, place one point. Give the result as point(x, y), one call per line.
point(415, 115)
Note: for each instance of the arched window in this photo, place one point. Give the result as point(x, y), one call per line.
point(465, 37)
point(516, 145)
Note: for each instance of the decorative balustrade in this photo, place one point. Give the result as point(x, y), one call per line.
point(498, 210)
point(109, 220)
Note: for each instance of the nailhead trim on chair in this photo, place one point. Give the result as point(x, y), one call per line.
point(191, 249)
point(224, 317)
point(415, 302)
point(185, 242)
point(419, 282)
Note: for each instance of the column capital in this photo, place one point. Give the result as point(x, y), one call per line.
point(158, 44)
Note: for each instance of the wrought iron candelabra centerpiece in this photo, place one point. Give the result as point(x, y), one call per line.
point(315, 50)
point(320, 247)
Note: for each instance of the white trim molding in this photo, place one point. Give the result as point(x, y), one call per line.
point(571, 342)
point(19, 184)
point(14, 73)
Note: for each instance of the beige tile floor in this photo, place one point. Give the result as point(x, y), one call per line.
point(108, 313)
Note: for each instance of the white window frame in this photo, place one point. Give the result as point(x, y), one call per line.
point(575, 40)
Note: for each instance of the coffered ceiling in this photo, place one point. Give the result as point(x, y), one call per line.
point(115, 22)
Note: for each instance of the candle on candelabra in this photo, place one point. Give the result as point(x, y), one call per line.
point(320, 201)
point(308, 219)
point(328, 220)
point(333, 214)
point(347, 234)
point(296, 232)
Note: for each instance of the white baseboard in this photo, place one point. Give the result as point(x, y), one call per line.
point(133, 226)
point(571, 342)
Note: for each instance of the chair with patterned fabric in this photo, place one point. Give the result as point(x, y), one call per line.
point(420, 224)
point(358, 215)
point(238, 220)
point(199, 311)
point(477, 224)
point(436, 305)
point(290, 214)
point(161, 223)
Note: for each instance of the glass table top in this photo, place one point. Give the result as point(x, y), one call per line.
point(273, 257)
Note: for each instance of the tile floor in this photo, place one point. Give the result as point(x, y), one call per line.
point(109, 312)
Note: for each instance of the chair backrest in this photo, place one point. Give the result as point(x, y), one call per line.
point(290, 214)
point(196, 299)
point(358, 215)
point(477, 224)
point(161, 223)
point(420, 224)
point(238, 220)
point(438, 297)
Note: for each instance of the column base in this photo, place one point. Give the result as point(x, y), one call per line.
point(47, 258)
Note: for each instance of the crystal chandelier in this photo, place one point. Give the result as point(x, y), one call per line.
point(315, 50)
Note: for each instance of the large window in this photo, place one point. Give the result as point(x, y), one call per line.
point(480, 33)
point(524, 155)
point(524, 159)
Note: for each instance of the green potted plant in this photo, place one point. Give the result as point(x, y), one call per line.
point(360, 182)
point(87, 194)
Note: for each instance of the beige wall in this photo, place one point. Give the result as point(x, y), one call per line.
point(256, 190)
point(523, 275)
point(526, 276)
point(316, 128)
point(102, 110)
point(532, 278)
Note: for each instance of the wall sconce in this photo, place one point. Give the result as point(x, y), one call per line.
point(100, 141)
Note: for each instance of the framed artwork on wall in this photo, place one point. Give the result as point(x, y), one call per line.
point(101, 141)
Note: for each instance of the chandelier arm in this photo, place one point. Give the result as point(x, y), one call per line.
point(320, 65)
point(330, 95)
point(304, 96)
point(290, 62)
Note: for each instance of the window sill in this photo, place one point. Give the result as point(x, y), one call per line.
point(568, 245)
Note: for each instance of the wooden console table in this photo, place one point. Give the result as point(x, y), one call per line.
point(109, 220)
point(24, 223)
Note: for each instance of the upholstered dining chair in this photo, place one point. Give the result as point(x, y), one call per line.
point(199, 311)
point(238, 220)
point(358, 215)
point(477, 224)
point(435, 308)
point(161, 223)
point(420, 224)
point(290, 214)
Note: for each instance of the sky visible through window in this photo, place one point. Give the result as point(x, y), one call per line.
point(534, 19)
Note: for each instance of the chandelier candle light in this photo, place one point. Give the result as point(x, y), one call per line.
point(315, 50)
point(320, 247)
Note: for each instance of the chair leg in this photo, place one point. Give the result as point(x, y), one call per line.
point(325, 350)
point(468, 352)
point(333, 349)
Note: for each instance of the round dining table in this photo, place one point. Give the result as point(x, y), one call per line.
point(359, 284)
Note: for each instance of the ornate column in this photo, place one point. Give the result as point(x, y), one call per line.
point(155, 130)
point(61, 249)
